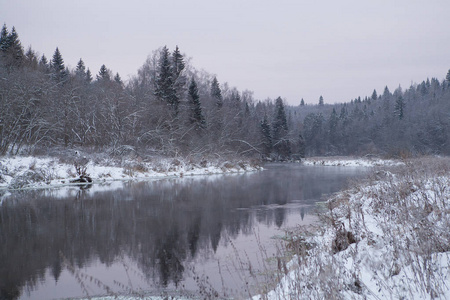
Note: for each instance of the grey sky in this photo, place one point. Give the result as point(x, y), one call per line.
point(294, 49)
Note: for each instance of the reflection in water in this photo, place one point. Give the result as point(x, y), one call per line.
point(160, 226)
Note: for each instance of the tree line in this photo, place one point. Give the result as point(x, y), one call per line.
point(170, 108)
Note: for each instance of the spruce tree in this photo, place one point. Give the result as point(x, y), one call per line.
point(374, 95)
point(4, 39)
point(179, 79)
point(43, 64)
point(57, 67)
point(216, 92)
point(266, 136)
point(80, 70)
point(320, 101)
point(399, 107)
point(448, 77)
point(15, 46)
point(31, 59)
point(178, 62)
point(196, 115)
point(302, 102)
point(280, 130)
point(386, 93)
point(165, 90)
point(117, 79)
point(89, 76)
point(103, 74)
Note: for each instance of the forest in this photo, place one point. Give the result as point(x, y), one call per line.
point(169, 108)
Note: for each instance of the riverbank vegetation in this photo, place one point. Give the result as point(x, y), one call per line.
point(386, 237)
point(171, 109)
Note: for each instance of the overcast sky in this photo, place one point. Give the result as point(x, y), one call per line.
point(293, 49)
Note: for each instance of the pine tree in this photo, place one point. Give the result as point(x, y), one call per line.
point(43, 64)
point(103, 74)
point(302, 102)
point(266, 136)
point(448, 76)
point(80, 70)
point(89, 76)
point(320, 101)
point(374, 95)
point(4, 39)
point(179, 79)
point(165, 90)
point(31, 59)
point(15, 46)
point(178, 62)
point(117, 79)
point(386, 93)
point(280, 130)
point(399, 107)
point(57, 67)
point(216, 93)
point(301, 146)
point(196, 115)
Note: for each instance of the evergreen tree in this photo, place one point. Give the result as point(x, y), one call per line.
point(399, 107)
point(15, 47)
point(179, 79)
point(57, 67)
point(301, 146)
point(320, 101)
point(235, 98)
point(196, 115)
point(266, 136)
point(386, 93)
point(302, 102)
point(103, 74)
point(165, 90)
point(89, 76)
point(43, 64)
point(374, 95)
point(4, 39)
point(31, 59)
point(117, 79)
point(280, 130)
point(80, 70)
point(178, 62)
point(448, 77)
point(216, 93)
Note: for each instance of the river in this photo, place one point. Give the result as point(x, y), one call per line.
point(189, 236)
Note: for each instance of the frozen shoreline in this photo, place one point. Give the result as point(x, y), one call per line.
point(31, 172)
point(347, 161)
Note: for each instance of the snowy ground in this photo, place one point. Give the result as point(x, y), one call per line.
point(24, 172)
point(350, 161)
point(387, 238)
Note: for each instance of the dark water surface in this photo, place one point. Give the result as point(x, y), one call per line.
point(155, 237)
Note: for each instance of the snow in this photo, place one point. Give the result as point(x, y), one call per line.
point(25, 172)
point(350, 162)
point(400, 222)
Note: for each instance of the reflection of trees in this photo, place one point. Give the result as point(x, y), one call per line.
point(160, 226)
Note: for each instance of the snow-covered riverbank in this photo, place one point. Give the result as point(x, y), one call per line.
point(346, 161)
point(386, 238)
point(21, 172)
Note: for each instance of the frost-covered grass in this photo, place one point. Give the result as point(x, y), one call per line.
point(21, 172)
point(386, 238)
point(346, 161)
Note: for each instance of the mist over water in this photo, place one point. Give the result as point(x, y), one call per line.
point(153, 236)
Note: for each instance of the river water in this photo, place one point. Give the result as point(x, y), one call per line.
point(197, 235)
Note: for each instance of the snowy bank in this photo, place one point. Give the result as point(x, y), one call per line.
point(21, 172)
point(339, 161)
point(387, 238)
